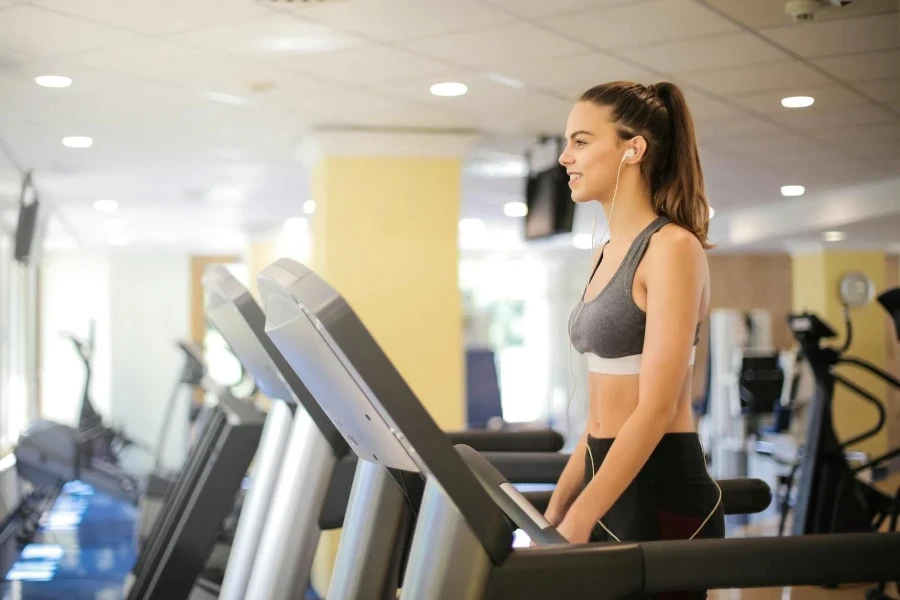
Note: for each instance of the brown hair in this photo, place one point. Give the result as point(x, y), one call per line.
point(671, 165)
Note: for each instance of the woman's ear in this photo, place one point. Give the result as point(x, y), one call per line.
point(639, 145)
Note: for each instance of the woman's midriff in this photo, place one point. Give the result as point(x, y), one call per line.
point(614, 397)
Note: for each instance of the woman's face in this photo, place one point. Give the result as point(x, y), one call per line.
point(593, 152)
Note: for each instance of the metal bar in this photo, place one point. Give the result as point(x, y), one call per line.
point(255, 511)
point(290, 536)
point(446, 561)
point(376, 526)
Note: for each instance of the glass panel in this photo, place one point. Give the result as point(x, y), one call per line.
point(5, 332)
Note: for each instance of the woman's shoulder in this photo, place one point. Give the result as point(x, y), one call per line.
point(673, 237)
point(676, 250)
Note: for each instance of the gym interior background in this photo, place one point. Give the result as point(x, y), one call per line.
point(158, 139)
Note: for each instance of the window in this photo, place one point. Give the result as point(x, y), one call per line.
point(18, 342)
point(5, 333)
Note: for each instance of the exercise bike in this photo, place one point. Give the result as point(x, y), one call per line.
point(830, 496)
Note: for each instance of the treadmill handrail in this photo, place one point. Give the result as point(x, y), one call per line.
point(700, 564)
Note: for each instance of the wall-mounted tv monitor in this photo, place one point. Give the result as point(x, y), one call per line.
point(27, 230)
point(551, 210)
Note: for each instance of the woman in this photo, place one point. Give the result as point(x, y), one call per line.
point(638, 473)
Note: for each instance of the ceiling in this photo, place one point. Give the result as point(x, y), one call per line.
point(197, 108)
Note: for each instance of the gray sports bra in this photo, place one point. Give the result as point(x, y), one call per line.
point(609, 329)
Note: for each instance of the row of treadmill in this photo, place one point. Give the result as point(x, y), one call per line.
point(429, 514)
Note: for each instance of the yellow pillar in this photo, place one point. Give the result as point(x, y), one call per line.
point(385, 236)
point(816, 280)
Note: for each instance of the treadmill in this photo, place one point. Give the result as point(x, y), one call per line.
point(343, 367)
point(463, 546)
point(273, 549)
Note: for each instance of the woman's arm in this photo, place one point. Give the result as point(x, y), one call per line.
point(675, 278)
point(571, 480)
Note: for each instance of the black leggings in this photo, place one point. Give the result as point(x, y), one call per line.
point(672, 498)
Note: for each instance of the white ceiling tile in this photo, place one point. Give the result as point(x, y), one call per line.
point(729, 50)
point(31, 30)
point(824, 38)
point(484, 97)
point(884, 90)
point(410, 115)
point(578, 72)
point(864, 65)
point(496, 47)
point(155, 59)
point(161, 16)
point(660, 21)
point(367, 65)
point(277, 37)
point(541, 8)
point(826, 97)
point(772, 13)
point(8, 56)
point(84, 78)
point(879, 132)
point(256, 82)
point(398, 20)
point(813, 118)
point(704, 107)
point(751, 78)
point(343, 106)
point(722, 127)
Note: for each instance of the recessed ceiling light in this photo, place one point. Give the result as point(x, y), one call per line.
point(712, 212)
point(582, 241)
point(449, 88)
point(792, 190)
point(834, 236)
point(309, 207)
point(797, 101)
point(471, 225)
point(119, 239)
point(53, 81)
point(106, 206)
point(295, 226)
point(77, 141)
point(515, 209)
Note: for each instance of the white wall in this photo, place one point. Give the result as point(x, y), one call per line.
point(141, 305)
point(150, 301)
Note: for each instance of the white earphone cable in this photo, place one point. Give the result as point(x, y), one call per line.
point(573, 382)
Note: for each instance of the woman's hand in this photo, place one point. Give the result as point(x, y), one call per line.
point(573, 530)
point(554, 517)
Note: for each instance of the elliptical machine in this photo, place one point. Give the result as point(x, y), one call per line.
point(830, 496)
point(50, 453)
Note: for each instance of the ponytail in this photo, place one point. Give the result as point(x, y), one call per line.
point(677, 180)
point(672, 163)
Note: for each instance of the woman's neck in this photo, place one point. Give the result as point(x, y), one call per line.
point(632, 211)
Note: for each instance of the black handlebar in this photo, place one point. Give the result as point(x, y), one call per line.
point(520, 512)
point(525, 440)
